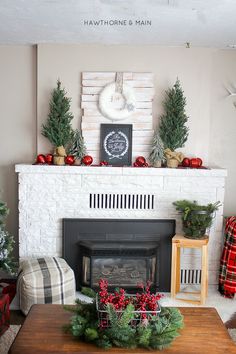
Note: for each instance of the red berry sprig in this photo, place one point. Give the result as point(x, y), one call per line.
point(144, 301)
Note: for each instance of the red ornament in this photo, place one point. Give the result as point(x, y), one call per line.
point(40, 159)
point(69, 160)
point(194, 163)
point(186, 162)
point(199, 162)
point(146, 164)
point(87, 160)
point(140, 160)
point(135, 164)
point(49, 159)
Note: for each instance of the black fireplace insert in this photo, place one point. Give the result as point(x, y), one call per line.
point(125, 252)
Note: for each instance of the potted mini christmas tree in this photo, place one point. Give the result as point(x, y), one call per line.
point(77, 146)
point(58, 127)
point(173, 130)
point(157, 153)
point(6, 243)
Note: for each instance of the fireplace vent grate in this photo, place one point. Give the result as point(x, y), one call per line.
point(121, 201)
point(190, 276)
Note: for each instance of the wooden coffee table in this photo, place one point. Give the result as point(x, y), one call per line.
point(204, 333)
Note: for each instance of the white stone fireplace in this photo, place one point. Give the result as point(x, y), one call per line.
point(47, 194)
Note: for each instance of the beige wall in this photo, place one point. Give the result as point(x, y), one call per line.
point(203, 74)
point(222, 141)
point(192, 66)
point(18, 120)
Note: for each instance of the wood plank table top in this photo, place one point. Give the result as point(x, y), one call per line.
point(42, 332)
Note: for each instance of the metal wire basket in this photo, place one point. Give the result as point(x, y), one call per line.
point(138, 316)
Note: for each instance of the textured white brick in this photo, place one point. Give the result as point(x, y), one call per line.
point(47, 194)
point(121, 183)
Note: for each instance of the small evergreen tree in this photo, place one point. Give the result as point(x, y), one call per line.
point(6, 242)
point(173, 130)
point(157, 151)
point(58, 127)
point(3, 212)
point(77, 146)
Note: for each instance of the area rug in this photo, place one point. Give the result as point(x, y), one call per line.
point(232, 333)
point(7, 338)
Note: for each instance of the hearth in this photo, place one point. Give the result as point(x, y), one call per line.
point(125, 252)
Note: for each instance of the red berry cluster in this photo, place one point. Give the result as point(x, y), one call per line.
point(103, 163)
point(144, 301)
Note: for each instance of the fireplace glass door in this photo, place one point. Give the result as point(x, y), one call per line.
point(122, 265)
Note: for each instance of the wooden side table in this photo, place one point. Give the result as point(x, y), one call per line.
point(178, 242)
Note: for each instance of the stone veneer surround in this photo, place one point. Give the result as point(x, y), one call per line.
point(47, 194)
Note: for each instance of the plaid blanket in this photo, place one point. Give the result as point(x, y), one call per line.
point(227, 278)
point(47, 280)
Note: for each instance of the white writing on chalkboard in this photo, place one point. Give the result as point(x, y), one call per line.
point(116, 144)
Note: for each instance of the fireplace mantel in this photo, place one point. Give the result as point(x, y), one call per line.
point(132, 171)
point(47, 194)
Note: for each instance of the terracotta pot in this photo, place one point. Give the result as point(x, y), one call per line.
point(59, 160)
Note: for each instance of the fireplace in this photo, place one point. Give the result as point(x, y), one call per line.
point(125, 252)
point(124, 264)
point(47, 194)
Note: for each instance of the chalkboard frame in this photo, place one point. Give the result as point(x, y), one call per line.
point(126, 129)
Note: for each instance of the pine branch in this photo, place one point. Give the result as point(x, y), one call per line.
point(158, 332)
point(4, 211)
point(7, 242)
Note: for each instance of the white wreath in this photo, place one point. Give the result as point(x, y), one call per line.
point(105, 99)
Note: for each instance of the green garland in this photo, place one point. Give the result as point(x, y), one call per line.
point(158, 333)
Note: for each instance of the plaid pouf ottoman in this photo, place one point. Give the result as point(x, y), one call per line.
point(47, 280)
point(4, 313)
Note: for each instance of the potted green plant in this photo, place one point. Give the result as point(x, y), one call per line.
point(58, 128)
point(196, 218)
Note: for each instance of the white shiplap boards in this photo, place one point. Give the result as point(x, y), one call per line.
point(92, 84)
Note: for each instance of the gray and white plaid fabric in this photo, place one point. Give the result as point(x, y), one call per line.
point(47, 280)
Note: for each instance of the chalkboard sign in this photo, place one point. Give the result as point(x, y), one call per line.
point(116, 144)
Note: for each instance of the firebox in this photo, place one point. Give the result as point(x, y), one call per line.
point(125, 252)
point(124, 264)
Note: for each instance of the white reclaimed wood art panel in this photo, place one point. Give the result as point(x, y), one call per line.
point(142, 84)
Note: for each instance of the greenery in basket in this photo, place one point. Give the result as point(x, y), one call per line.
point(196, 218)
point(6, 243)
point(152, 332)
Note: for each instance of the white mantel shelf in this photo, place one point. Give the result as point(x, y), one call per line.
point(48, 194)
point(136, 171)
